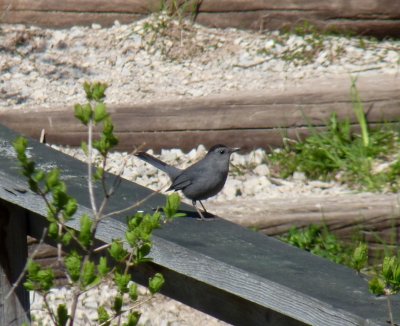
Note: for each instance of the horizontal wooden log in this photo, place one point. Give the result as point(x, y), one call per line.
point(376, 8)
point(374, 17)
point(96, 6)
point(66, 19)
point(374, 218)
point(247, 140)
point(259, 280)
point(340, 212)
point(250, 120)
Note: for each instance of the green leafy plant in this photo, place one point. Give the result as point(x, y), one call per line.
point(320, 241)
point(359, 257)
point(171, 208)
point(387, 281)
point(83, 268)
point(341, 154)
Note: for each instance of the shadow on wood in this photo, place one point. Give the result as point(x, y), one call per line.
point(14, 310)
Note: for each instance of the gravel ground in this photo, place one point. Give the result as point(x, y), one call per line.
point(157, 58)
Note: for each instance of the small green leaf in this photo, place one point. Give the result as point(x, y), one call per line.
point(20, 144)
point(46, 279)
point(37, 278)
point(71, 207)
point(39, 176)
point(62, 314)
point(83, 113)
point(156, 282)
point(387, 267)
point(100, 112)
point(73, 264)
point(98, 91)
point(89, 273)
point(172, 206)
point(102, 267)
point(360, 257)
point(53, 230)
point(122, 281)
point(85, 235)
point(53, 178)
point(377, 286)
point(141, 253)
point(66, 238)
point(28, 285)
point(117, 306)
point(133, 291)
point(99, 173)
point(133, 319)
point(88, 90)
point(60, 197)
point(132, 237)
point(117, 251)
point(103, 316)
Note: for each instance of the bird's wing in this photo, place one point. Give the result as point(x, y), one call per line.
point(181, 182)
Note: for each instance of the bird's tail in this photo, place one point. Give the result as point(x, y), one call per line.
point(170, 170)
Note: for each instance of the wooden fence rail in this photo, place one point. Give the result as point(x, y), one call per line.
point(227, 271)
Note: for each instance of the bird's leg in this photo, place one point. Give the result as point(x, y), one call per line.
point(204, 209)
point(197, 209)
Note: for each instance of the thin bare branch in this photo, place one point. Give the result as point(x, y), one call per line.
point(124, 210)
point(89, 163)
point(21, 276)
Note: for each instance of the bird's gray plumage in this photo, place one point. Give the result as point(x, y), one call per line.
point(201, 180)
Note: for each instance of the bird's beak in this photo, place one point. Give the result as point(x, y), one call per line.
point(235, 149)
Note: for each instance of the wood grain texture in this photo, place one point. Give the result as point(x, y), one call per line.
point(373, 17)
point(14, 311)
point(99, 6)
point(66, 19)
point(249, 120)
point(216, 266)
point(338, 7)
point(372, 217)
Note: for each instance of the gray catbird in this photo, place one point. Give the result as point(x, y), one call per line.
point(201, 180)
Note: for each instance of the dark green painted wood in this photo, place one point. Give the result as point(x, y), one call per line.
point(14, 308)
point(235, 274)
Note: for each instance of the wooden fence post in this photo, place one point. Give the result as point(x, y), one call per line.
point(13, 254)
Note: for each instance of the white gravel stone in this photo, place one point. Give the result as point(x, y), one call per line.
point(262, 170)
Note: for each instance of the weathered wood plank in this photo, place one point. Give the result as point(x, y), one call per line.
point(369, 216)
point(210, 263)
point(246, 139)
point(351, 7)
point(66, 19)
point(99, 6)
point(374, 17)
point(14, 310)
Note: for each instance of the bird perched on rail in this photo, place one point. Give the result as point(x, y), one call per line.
point(201, 180)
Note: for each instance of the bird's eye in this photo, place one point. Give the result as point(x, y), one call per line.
point(221, 151)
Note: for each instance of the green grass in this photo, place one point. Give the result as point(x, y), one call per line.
point(320, 241)
point(342, 155)
point(382, 279)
